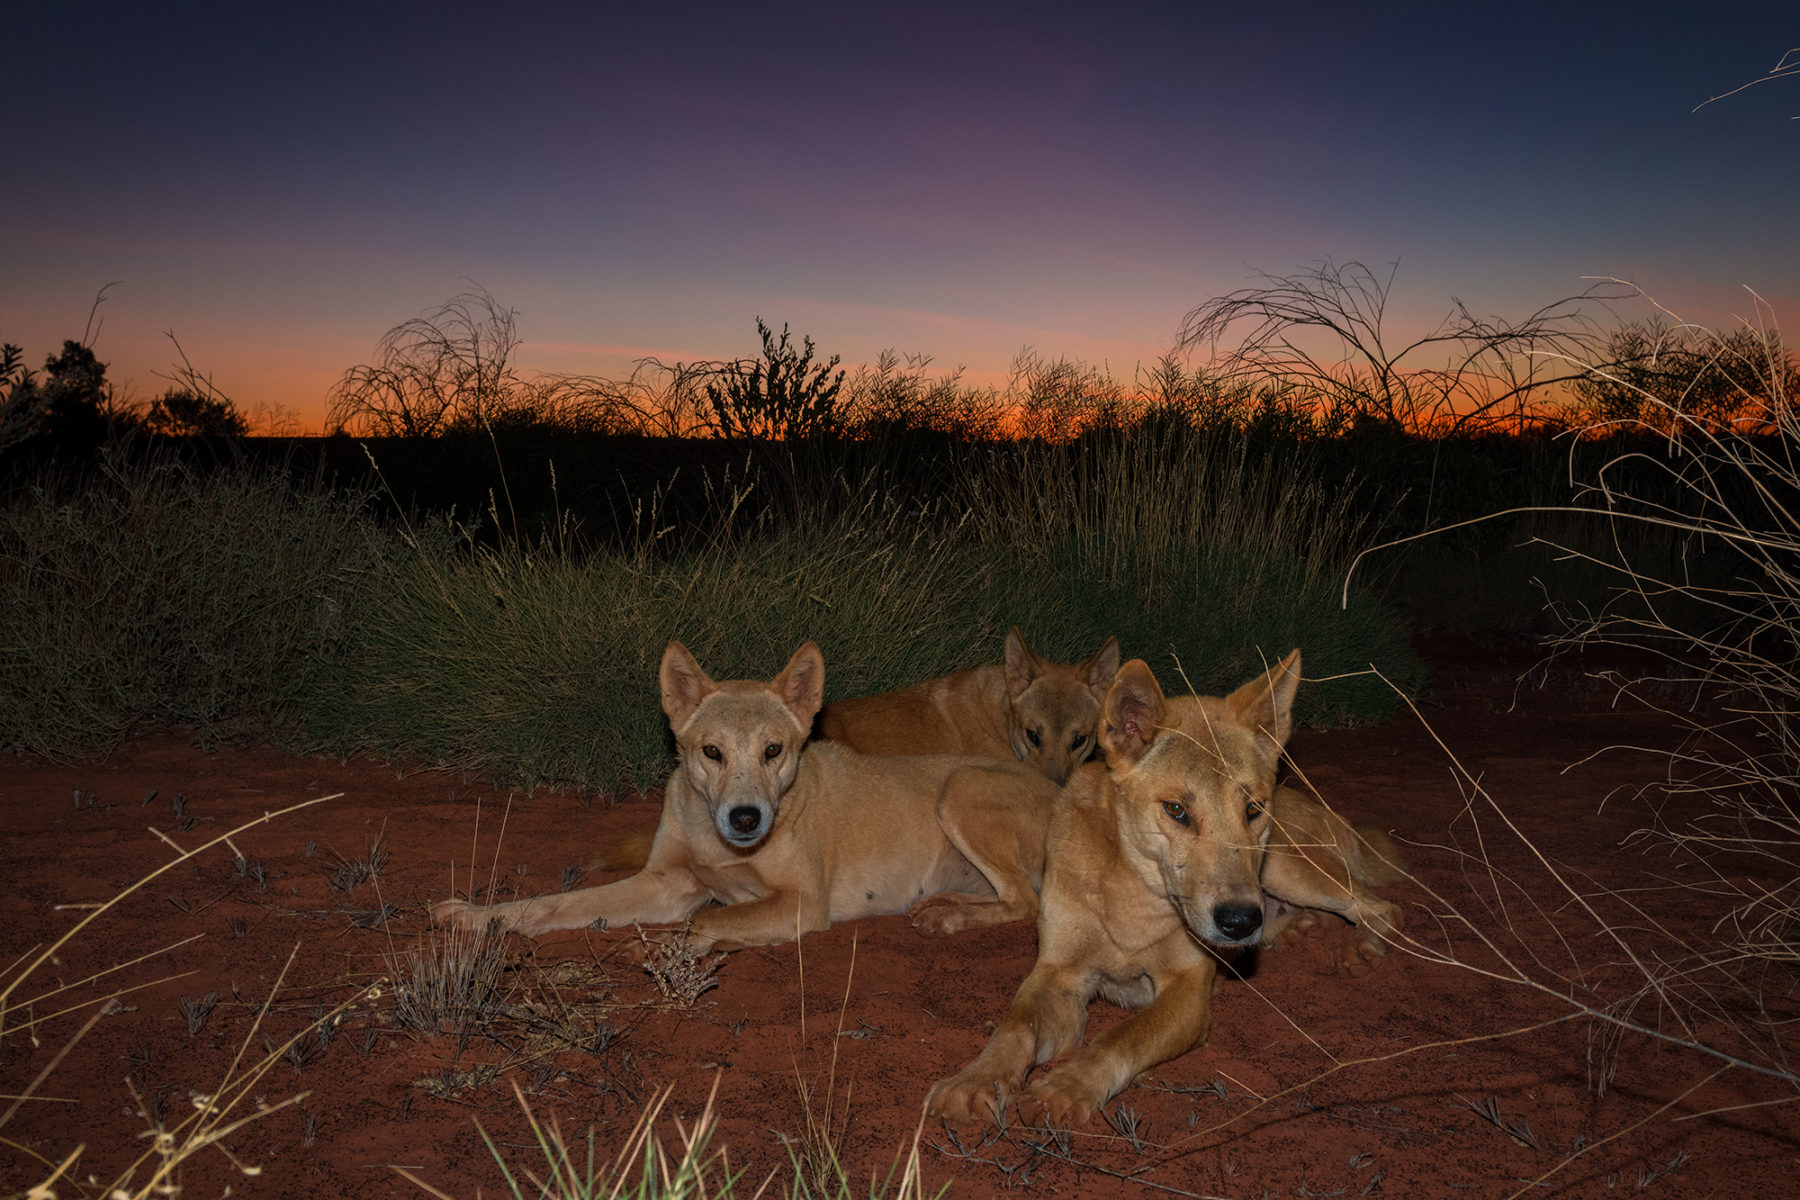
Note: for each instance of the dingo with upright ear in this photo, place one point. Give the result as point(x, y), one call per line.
point(1043, 713)
point(786, 838)
point(1180, 838)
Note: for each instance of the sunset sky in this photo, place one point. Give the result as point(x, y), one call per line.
point(278, 185)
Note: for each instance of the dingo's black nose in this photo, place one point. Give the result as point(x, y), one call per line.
point(746, 819)
point(1239, 922)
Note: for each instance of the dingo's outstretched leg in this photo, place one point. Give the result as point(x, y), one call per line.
point(1046, 1019)
point(650, 897)
point(1176, 1021)
point(782, 917)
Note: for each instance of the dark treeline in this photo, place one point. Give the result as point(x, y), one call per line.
point(442, 421)
point(608, 489)
point(525, 480)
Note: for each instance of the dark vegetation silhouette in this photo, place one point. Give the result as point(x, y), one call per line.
point(194, 406)
point(781, 396)
point(1678, 380)
point(448, 369)
point(181, 413)
point(72, 409)
point(1321, 337)
point(1422, 432)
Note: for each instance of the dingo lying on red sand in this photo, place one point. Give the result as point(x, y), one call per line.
point(1180, 838)
point(1042, 713)
point(789, 837)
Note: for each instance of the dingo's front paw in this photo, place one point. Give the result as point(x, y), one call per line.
point(460, 914)
point(528, 918)
point(1059, 1100)
point(1359, 954)
point(966, 1097)
point(1297, 929)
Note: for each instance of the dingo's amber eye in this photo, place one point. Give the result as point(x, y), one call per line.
point(1176, 810)
point(711, 751)
point(772, 752)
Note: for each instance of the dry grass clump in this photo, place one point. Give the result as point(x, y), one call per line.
point(1719, 630)
point(650, 1164)
point(452, 980)
point(465, 984)
point(681, 975)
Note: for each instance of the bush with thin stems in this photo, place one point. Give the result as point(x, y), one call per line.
point(449, 366)
point(1325, 333)
point(1719, 618)
point(1722, 627)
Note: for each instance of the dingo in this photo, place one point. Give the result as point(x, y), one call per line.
point(1042, 713)
point(1180, 838)
point(790, 837)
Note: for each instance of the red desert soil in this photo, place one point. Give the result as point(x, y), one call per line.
point(1423, 1078)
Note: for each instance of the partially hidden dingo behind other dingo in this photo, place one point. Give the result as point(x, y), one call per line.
point(1042, 713)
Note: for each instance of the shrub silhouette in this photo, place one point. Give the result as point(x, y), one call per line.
point(71, 409)
point(179, 412)
point(449, 367)
point(1684, 380)
point(781, 397)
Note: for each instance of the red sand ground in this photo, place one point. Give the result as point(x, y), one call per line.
point(1424, 1078)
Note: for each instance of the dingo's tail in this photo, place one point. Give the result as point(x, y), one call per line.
point(627, 852)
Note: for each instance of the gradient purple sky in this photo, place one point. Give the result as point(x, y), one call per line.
point(278, 185)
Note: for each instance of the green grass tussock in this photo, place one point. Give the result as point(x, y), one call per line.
point(246, 607)
point(1205, 557)
point(149, 593)
point(541, 664)
point(1213, 620)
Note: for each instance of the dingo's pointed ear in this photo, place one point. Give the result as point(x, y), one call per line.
point(801, 684)
point(1134, 710)
point(684, 684)
point(1022, 666)
point(1100, 669)
point(1267, 704)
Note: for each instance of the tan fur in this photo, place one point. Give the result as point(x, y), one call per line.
point(1180, 838)
point(789, 838)
point(1042, 713)
point(627, 852)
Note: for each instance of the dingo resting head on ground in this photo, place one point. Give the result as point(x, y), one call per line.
point(788, 838)
point(1042, 713)
point(1180, 838)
